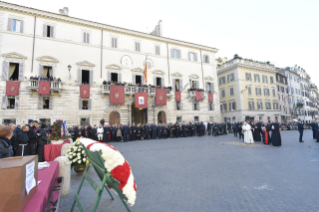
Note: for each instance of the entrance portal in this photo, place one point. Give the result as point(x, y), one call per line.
point(114, 118)
point(161, 117)
point(139, 116)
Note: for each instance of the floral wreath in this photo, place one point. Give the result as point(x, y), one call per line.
point(116, 164)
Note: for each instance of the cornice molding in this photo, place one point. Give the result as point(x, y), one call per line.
point(85, 64)
point(114, 67)
point(47, 59)
point(14, 55)
point(86, 23)
point(137, 69)
point(208, 78)
point(177, 74)
point(158, 72)
point(193, 76)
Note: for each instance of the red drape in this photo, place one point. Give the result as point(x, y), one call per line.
point(85, 91)
point(44, 87)
point(12, 88)
point(210, 97)
point(198, 95)
point(141, 100)
point(117, 95)
point(178, 96)
point(160, 96)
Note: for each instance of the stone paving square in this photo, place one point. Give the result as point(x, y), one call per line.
point(214, 174)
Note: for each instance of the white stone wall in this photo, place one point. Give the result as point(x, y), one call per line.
point(67, 48)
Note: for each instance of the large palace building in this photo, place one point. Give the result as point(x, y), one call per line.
point(35, 45)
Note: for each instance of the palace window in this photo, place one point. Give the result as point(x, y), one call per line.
point(223, 107)
point(195, 84)
point(275, 105)
point(10, 102)
point(195, 105)
point(192, 56)
point(256, 76)
point(196, 118)
point(157, 50)
point(137, 46)
point(273, 92)
point(230, 77)
point(231, 91)
point(222, 81)
point(84, 121)
point(14, 72)
point(265, 79)
point(259, 105)
point(177, 85)
point(268, 106)
point(266, 92)
point(7, 122)
point(86, 37)
point(232, 106)
point(210, 106)
point(85, 104)
point(176, 53)
point(45, 102)
point(249, 90)
point(223, 93)
point(258, 91)
point(16, 26)
point(251, 105)
point(45, 121)
point(159, 81)
point(210, 87)
point(114, 42)
point(271, 80)
point(85, 77)
point(179, 105)
point(138, 79)
point(48, 31)
point(248, 76)
point(178, 119)
point(206, 58)
point(47, 71)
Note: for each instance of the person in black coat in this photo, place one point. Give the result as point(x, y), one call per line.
point(130, 131)
point(146, 131)
point(125, 133)
point(154, 130)
point(134, 131)
point(22, 138)
point(314, 127)
point(177, 130)
point(95, 133)
point(257, 131)
point(106, 133)
point(234, 129)
point(114, 131)
point(90, 132)
point(240, 130)
point(42, 141)
point(32, 139)
point(72, 133)
point(300, 129)
point(138, 132)
point(76, 133)
point(275, 135)
point(159, 131)
point(85, 132)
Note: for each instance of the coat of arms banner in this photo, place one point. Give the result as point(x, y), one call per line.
point(117, 95)
point(44, 87)
point(85, 91)
point(12, 88)
point(160, 96)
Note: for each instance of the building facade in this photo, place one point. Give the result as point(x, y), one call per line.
point(305, 85)
point(282, 89)
point(39, 43)
point(248, 91)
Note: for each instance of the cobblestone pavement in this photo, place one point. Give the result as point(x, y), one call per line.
point(215, 174)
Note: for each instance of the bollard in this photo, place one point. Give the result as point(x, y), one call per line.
point(65, 171)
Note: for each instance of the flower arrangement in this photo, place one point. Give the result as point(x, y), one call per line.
point(116, 164)
point(56, 131)
point(76, 154)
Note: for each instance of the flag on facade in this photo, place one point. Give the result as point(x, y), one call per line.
point(198, 95)
point(141, 100)
point(178, 96)
point(210, 97)
point(85, 91)
point(44, 87)
point(12, 88)
point(117, 95)
point(160, 96)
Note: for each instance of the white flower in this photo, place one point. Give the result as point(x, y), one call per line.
point(70, 157)
point(83, 152)
point(79, 162)
point(84, 159)
point(79, 150)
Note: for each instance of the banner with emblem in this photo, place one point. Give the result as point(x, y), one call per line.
point(198, 95)
point(210, 97)
point(117, 95)
point(178, 96)
point(141, 100)
point(85, 91)
point(160, 96)
point(44, 87)
point(12, 88)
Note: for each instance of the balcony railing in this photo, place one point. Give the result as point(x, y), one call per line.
point(33, 85)
point(131, 90)
point(192, 94)
point(55, 86)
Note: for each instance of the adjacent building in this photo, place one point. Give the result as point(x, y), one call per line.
point(248, 91)
point(81, 52)
point(283, 96)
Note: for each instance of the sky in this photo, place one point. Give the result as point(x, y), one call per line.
point(284, 32)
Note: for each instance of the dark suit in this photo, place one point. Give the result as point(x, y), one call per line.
point(300, 129)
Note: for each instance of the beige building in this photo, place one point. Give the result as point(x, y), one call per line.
point(248, 91)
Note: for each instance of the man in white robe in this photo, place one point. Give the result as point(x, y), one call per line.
point(248, 136)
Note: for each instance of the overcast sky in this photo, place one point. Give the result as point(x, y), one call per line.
point(285, 32)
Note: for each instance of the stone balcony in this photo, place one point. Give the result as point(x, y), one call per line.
point(131, 90)
point(54, 86)
point(192, 95)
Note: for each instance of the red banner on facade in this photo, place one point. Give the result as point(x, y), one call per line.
point(12, 88)
point(198, 95)
point(141, 100)
point(85, 91)
point(210, 97)
point(160, 96)
point(178, 96)
point(117, 95)
point(44, 87)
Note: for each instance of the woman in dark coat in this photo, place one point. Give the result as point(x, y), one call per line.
point(23, 138)
point(5, 147)
point(106, 134)
point(90, 132)
point(42, 136)
point(275, 135)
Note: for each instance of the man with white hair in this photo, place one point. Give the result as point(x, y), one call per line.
point(248, 136)
point(100, 133)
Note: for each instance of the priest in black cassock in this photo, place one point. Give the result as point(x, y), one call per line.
point(257, 131)
point(275, 135)
point(106, 133)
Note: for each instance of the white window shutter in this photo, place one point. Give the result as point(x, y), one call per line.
point(208, 59)
point(133, 78)
point(21, 26)
point(154, 81)
point(228, 78)
point(51, 102)
point(21, 70)
point(84, 37)
point(4, 102)
point(52, 31)
point(195, 57)
point(40, 102)
point(115, 42)
point(193, 105)
point(119, 77)
point(212, 87)
point(108, 76)
point(189, 56)
point(45, 30)
point(179, 54)
point(163, 81)
point(5, 70)
point(52, 71)
point(181, 105)
point(16, 102)
point(10, 24)
point(173, 84)
point(198, 106)
point(87, 37)
point(90, 104)
point(40, 70)
point(80, 104)
point(180, 85)
point(176, 105)
point(91, 77)
point(143, 80)
point(79, 77)
point(172, 52)
point(112, 42)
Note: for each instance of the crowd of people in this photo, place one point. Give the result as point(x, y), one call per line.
point(41, 78)
point(135, 85)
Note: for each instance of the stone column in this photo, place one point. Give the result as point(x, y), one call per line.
point(65, 172)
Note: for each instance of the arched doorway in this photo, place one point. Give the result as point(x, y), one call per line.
point(114, 118)
point(138, 115)
point(161, 117)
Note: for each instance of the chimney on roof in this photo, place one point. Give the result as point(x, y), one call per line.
point(64, 11)
point(158, 30)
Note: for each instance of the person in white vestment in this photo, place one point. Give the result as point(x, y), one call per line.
point(248, 136)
